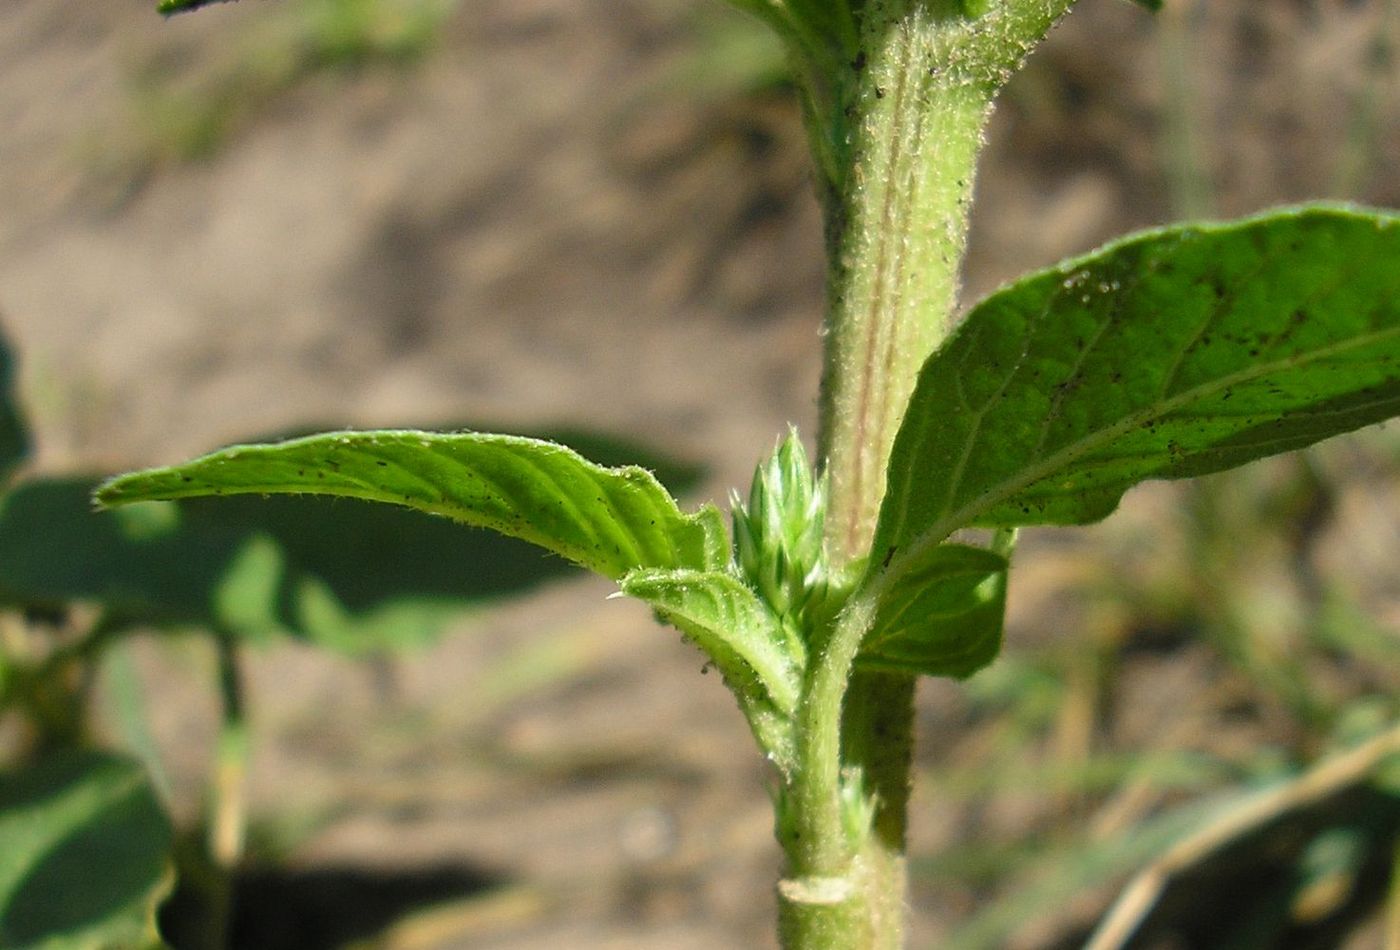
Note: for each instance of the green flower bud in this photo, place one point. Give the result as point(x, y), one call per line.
point(778, 534)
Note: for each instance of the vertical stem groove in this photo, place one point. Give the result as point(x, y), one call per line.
point(905, 118)
point(897, 234)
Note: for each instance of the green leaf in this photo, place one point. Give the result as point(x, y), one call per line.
point(739, 633)
point(14, 440)
point(729, 622)
point(610, 520)
point(340, 572)
point(1168, 354)
point(168, 7)
point(1153, 5)
point(943, 615)
point(84, 855)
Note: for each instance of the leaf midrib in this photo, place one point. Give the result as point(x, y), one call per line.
point(944, 526)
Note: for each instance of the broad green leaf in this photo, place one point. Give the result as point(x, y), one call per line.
point(84, 855)
point(14, 441)
point(942, 616)
point(739, 633)
point(610, 520)
point(1169, 354)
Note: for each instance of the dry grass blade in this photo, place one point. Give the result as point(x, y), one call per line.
point(1331, 776)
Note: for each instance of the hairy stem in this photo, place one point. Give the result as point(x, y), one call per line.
point(896, 242)
point(907, 116)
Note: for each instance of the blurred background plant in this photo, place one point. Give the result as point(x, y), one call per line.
point(183, 105)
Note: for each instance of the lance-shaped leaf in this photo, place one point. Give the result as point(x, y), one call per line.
point(610, 520)
point(737, 630)
point(942, 616)
point(343, 573)
point(1169, 354)
point(84, 855)
point(168, 7)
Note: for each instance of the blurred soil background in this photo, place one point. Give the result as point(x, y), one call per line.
point(597, 213)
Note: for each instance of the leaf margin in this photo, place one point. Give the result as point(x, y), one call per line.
point(697, 540)
point(897, 547)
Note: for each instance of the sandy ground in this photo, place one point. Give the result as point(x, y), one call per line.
point(539, 225)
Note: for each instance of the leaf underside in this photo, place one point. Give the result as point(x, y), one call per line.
point(610, 520)
point(1169, 354)
point(729, 622)
point(84, 855)
point(740, 635)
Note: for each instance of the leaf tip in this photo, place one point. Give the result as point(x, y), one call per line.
point(107, 494)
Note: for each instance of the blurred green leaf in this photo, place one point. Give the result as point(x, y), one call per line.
point(942, 617)
point(610, 520)
point(14, 440)
point(339, 572)
point(84, 855)
point(168, 7)
point(1168, 354)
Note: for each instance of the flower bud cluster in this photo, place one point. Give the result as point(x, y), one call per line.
point(778, 534)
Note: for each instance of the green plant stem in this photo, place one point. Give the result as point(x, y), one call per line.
point(897, 238)
point(908, 121)
point(227, 793)
point(228, 811)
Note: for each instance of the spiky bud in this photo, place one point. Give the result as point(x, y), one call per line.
point(778, 534)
